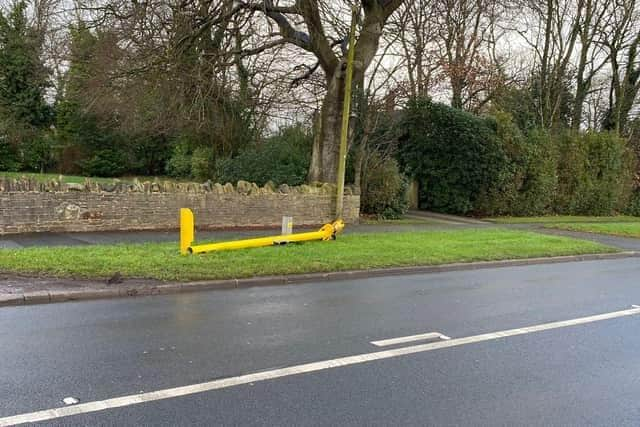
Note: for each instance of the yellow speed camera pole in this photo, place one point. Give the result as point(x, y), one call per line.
point(346, 110)
point(187, 234)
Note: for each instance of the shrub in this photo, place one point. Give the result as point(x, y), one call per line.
point(8, 157)
point(384, 189)
point(538, 172)
point(150, 154)
point(633, 207)
point(201, 164)
point(595, 174)
point(38, 152)
point(455, 156)
point(105, 163)
point(282, 159)
point(179, 164)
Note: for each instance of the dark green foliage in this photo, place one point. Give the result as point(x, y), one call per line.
point(105, 163)
point(25, 116)
point(37, 152)
point(538, 176)
point(282, 159)
point(179, 164)
point(595, 173)
point(528, 183)
point(384, 188)
point(202, 163)
point(190, 160)
point(104, 152)
point(8, 157)
point(455, 156)
point(470, 164)
point(633, 206)
point(23, 77)
point(520, 103)
point(150, 154)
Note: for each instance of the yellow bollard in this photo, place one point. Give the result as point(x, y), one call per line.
point(187, 230)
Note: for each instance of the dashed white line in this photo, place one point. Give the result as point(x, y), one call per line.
point(410, 338)
point(170, 393)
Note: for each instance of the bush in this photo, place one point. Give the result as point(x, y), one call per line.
point(179, 164)
point(454, 155)
point(633, 207)
point(38, 152)
point(538, 185)
point(595, 174)
point(105, 163)
point(529, 182)
point(150, 154)
point(282, 159)
point(8, 157)
point(384, 189)
point(201, 164)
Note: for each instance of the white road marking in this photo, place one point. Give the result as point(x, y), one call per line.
point(410, 338)
point(70, 401)
point(306, 368)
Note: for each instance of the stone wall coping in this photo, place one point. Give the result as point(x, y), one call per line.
point(245, 188)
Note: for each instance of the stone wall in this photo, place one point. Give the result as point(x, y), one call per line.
point(30, 206)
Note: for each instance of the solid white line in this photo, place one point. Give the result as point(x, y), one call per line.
point(170, 393)
point(410, 338)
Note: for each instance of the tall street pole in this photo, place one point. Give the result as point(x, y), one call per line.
point(346, 111)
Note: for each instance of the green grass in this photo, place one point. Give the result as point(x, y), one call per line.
point(76, 179)
point(401, 221)
point(562, 219)
point(50, 176)
point(624, 229)
point(358, 251)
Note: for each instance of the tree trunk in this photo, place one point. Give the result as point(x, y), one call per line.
point(326, 150)
point(456, 94)
point(324, 160)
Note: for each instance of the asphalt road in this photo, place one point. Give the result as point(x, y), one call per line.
point(587, 374)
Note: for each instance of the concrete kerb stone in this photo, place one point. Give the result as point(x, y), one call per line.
point(40, 297)
point(207, 285)
point(11, 299)
point(87, 294)
point(37, 297)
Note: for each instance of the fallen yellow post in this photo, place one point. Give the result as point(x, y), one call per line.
point(187, 236)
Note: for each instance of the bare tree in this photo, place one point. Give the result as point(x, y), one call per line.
point(317, 28)
point(622, 40)
point(551, 29)
point(416, 30)
point(592, 55)
point(465, 28)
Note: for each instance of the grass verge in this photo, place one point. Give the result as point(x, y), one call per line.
point(624, 229)
point(562, 219)
point(73, 179)
point(358, 251)
point(400, 221)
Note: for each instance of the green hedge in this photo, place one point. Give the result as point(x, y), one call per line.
point(489, 166)
point(456, 156)
point(595, 173)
